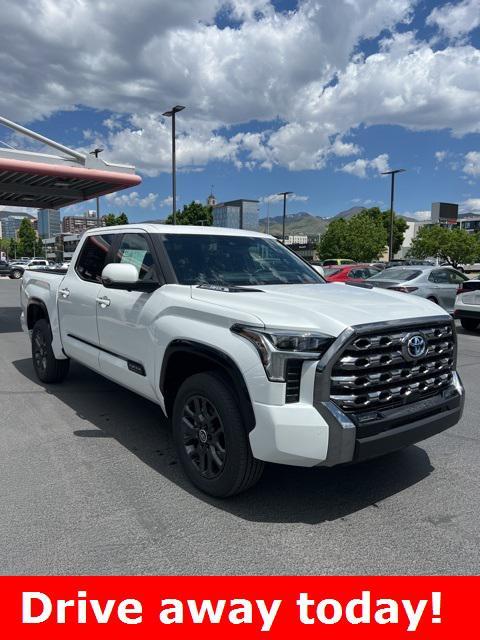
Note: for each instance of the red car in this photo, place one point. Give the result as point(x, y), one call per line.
point(350, 273)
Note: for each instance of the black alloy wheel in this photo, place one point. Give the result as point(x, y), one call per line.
point(203, 436)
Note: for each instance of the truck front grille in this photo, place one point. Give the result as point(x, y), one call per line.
point(375, 370)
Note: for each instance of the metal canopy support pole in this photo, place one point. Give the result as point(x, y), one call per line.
point(37, 136)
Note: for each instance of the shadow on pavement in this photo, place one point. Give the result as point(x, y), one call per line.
point(10, 319)
point(284, 494)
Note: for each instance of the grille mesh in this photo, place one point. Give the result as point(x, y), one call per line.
point(374, 370)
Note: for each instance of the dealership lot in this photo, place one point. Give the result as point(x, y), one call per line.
point(89, 484)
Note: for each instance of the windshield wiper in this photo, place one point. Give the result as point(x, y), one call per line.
point(228, 288)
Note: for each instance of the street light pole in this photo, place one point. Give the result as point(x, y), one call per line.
point(392, 173)
point(284, 194)
point(95, 153)
point(171, 114)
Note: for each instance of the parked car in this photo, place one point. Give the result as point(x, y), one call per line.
point(248, 352)
point(336, 261)
point(350, 273)
point(474, 267)
point(17, 270)
point(4, 268)
point(467, 305)
point(438, 284)
point(409, 262)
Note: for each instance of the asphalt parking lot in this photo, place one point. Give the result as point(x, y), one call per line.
point(89, 484)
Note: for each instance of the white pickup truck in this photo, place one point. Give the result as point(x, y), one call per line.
point(250, 354)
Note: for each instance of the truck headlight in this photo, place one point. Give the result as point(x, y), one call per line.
point(276, 347)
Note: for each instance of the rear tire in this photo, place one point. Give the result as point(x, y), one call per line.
point(432, 299)
point(16, 274)
point(469, 323)
point(210, 437)
point(47, 367)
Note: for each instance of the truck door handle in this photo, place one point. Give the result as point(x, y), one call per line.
point(104, 302)
point(64, 293)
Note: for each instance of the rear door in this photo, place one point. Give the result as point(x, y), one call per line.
point(125, 320)
point(77, 300)
point(442, 287)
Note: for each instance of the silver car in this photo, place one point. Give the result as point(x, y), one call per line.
point(438, 284)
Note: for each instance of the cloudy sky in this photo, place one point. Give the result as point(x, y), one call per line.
point(311, 96)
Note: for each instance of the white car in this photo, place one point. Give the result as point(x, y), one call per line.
point(247, 350)
point(467, 305)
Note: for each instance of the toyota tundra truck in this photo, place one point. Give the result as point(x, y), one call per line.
point(250, 354)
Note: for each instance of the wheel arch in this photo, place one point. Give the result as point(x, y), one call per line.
point(36, 310)
point(184, 358)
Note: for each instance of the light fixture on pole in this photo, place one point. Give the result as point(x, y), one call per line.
point(171, 114)
point(284, 194)
point(392, 173)
point(95, 153)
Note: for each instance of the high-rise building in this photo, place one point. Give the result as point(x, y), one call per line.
point(11, 225)
point(48, 223)
point(236, 214)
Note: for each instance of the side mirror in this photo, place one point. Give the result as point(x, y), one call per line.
point(125, 276)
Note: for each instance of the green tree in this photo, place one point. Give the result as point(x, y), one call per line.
point(39, 248)
point(122, 219)
point(12, 248)
point(361, 238)
point(26, 238)
point(455, 246)
point(194, 213)
point(111, 220)
point(400, 225)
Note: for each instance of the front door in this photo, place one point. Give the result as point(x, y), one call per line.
point(125, 321)
point(77, 300)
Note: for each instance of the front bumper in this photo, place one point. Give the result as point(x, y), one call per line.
point(323, 435)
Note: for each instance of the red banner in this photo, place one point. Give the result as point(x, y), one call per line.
point(220, 607)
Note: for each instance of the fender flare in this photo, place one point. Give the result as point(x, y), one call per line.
point(219, 359)
point(36, 302)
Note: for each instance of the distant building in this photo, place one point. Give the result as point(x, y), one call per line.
point(80, 224)
point(296, 239)
point(48, 223)
point(61, 247)
point(211, 200)
point(11, 225)
point(236, 214)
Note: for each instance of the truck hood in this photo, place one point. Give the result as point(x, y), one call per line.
point(328, 308)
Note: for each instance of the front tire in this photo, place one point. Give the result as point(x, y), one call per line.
point(469, 323)
point(16, 274)
point(210, 437)
point(47, 367)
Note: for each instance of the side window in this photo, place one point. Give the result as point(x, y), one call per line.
point(457, 278)
point(134, 249)
point(440, 276)
point(93, 257)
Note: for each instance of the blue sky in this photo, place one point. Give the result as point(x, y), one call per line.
point(314, 98)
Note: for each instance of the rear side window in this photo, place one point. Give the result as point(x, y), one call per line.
point(134, 249)
point(94, 257)
point(440, 276)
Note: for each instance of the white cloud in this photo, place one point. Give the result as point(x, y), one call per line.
point(440, 155)
point(419, 215)
point(133, 199)
point(275, 197)
point(300, 67)
point(472, 163)
point(470, 205)
point(362, 167)
point(456, 20)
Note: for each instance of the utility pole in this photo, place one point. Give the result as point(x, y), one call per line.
point(284, 194)
point(95, 153)
point(392, 173)
point(171, 114)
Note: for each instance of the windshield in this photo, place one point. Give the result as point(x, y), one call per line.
point(235, 261)
point(397, 275)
